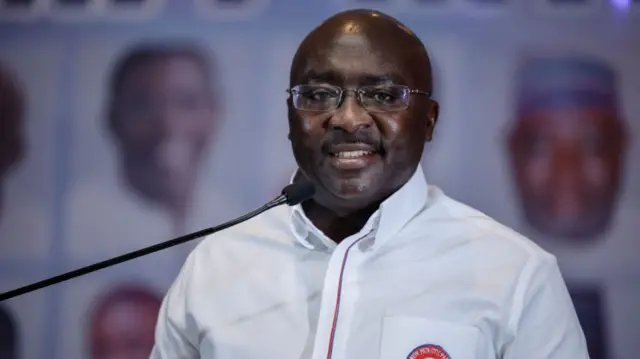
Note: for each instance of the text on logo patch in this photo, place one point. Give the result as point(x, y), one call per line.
point(428, 352)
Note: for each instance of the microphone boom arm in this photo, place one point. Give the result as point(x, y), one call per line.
point(282, 199)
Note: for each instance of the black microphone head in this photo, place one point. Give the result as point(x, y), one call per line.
point(297, 193)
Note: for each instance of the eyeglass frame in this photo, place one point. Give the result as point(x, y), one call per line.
point(358, 92)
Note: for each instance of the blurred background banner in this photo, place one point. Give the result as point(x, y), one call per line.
point(128, 122)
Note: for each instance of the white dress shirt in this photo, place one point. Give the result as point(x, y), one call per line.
point(426, 278)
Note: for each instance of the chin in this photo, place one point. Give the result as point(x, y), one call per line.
point(353, 190)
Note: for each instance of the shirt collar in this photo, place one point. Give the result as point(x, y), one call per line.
point(394, 213)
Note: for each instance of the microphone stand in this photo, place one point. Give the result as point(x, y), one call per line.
point(292, 195)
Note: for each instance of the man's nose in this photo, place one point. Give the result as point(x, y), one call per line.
point(350, 116)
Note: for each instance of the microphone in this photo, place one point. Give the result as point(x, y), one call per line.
point(292, 195)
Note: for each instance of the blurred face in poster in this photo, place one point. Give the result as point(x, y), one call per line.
point(567, 146)
point(8, 343)
point(11, 125)
point(163, 115)
point(123, 324)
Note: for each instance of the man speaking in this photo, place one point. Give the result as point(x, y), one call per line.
point(378, 264)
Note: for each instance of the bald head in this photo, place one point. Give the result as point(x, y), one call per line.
point(382, 33)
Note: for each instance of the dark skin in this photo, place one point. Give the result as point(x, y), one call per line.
point(352, 49)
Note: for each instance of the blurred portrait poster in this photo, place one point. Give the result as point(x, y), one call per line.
point(27, 151)
point(568, 145)
point(121, 322)
point(154, 128)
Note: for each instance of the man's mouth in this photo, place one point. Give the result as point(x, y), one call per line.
point(351, 149)
point(352, 156)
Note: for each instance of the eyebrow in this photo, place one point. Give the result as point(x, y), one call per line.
point(320, 76)
point(382, 79)
point(334, 77)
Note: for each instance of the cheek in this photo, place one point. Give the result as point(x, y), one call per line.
point(398, 133)
point(306, 130)
point(302, 142)
point(307, 122)
point(391, 127)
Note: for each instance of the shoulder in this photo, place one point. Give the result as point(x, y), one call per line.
point(486, 246)
point(227, 264)
point(476, 227)
point(250, 244)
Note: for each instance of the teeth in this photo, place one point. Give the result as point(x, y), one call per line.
point(352, 154)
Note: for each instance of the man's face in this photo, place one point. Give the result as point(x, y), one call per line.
point(124, 330)
point(568, 167)
point(163, 117)
point(394, 140)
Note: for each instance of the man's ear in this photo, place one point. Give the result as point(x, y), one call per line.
point(432, 119)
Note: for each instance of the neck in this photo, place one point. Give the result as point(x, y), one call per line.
point(338, 225)
point(338, 218)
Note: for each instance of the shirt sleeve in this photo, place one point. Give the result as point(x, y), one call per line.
point(175, 337)
point(547, 326)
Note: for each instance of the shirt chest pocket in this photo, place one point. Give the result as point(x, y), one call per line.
point(420, 338)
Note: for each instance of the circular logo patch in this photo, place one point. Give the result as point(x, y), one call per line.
point(428, 352)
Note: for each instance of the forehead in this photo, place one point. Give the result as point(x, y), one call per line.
point(352, 57)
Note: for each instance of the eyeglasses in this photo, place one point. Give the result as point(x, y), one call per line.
point(323, 98)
